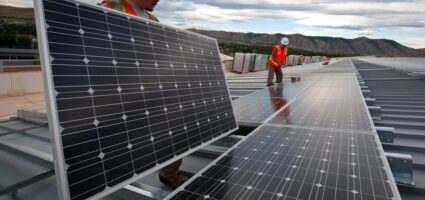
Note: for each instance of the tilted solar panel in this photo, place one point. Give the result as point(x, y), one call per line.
point(126, 95)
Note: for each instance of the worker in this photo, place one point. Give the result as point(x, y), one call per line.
point(141, 8)
point(170, 174)
point(301, 59)
point(277, 61)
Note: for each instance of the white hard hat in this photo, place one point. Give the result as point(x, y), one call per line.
point(285, 41)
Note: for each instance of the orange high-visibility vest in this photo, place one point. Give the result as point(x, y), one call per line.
point(122, 6)
point(125, 7)
point(278, 57)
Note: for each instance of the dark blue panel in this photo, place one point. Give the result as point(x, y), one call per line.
point(130, 94)
point(293, 163)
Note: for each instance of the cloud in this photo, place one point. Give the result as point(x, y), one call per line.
point(350, 18)
point(257, 5)
point(353, 15)
point(350, 14)
point(366, 33)
point(414, 42)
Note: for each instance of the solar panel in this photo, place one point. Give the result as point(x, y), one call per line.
point(238, 63)
point(334, 102)
point(324, 113)
point(260, 62)
point(255, 109)
point(258, 106)
point(277, 162)
point(341, 66)
point(126, 96)
point(316, 147)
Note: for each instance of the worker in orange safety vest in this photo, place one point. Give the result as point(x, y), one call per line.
point(277, 61)
point(170, 174)
point(141, 8)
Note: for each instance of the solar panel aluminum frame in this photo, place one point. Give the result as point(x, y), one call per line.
point(51, 107)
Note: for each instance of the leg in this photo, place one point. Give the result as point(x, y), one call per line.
point(170, 175)
point(279, 75)
point(270, 76)
point(170, 170)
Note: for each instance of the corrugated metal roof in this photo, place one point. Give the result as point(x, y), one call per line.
point(402, 101)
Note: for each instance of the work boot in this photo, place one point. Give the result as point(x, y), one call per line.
point(173, 181)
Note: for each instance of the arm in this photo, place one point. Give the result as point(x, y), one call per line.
point(285, 55)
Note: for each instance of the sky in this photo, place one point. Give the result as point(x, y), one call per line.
point(399, 20)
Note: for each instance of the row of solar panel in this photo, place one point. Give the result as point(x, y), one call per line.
point(258, 106)
point(316, 148)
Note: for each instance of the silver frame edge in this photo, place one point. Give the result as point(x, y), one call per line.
point(58, 160)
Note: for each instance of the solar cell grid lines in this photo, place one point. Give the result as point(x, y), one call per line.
point(316, 147)
point(294, 163)
point(334, 102)
point(334, 90)
point(342, 66)
point(126, 95)
point(345, 114)
point(264, 106)
point(258, 106)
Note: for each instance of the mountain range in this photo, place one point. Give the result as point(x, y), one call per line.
point(361, 46)
point(422, 51)
point(358, 46)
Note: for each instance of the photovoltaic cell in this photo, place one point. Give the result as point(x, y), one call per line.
point(126, 95)
point(322, 145)
point(339, 67)
point(334, 102)
point(255, 109)
point(324, 113)
point(258, 106)
point(279, 162)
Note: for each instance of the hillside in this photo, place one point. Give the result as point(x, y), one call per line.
point(358, 46)
point(422, 51)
